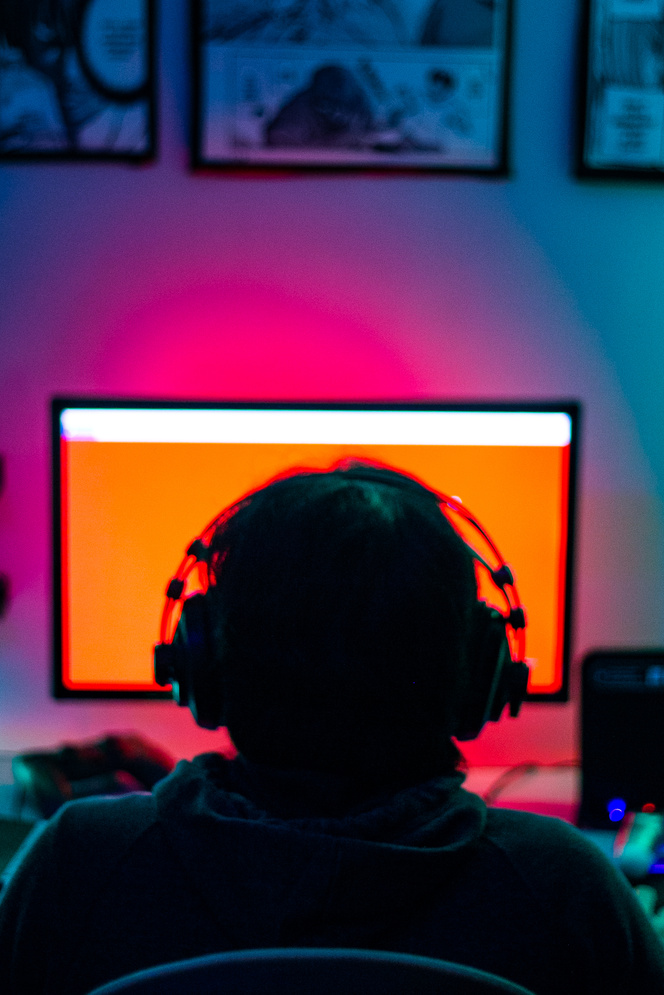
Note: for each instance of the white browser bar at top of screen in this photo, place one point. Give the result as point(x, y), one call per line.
point(318, 426)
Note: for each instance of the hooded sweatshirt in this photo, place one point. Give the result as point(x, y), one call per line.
point(226, 855)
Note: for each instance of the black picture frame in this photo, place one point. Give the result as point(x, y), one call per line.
point(386, 85)
point(77, 80)
point(621, 127)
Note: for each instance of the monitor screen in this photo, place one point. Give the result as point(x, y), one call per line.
point(136, 481)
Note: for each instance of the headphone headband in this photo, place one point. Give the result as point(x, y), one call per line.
point(184, 655)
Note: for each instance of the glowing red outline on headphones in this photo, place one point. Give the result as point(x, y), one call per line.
point(501, 575)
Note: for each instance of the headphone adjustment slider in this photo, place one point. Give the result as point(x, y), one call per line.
point(199, 550)
point(503, 576)
point(175, 589)
point(517, 618)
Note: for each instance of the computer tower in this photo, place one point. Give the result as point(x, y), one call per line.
point(622, 736)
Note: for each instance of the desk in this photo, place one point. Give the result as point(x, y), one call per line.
point(544, 790)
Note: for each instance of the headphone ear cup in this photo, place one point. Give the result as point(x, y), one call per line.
point(190, 665)
point(491, 673)
point(205, 690)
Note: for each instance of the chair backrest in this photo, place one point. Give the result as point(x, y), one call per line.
point(309, 971)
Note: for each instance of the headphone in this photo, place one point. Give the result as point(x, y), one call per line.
point(187, 659)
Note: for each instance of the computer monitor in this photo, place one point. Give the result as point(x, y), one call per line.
point(135, 481)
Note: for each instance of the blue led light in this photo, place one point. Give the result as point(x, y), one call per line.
point(616, 809)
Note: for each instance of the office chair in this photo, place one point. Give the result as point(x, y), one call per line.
point(311, 971)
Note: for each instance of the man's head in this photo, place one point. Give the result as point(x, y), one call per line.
point(341, 612)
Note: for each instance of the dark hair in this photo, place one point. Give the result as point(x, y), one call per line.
point(342, 608)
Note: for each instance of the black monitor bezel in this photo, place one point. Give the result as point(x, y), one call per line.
point(58, 404)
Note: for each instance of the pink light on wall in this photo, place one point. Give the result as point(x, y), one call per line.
point(248, 340)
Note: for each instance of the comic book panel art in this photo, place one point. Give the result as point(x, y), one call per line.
point(76, 78)
point(375, 83)
point(623, 125)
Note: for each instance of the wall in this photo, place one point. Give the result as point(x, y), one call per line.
point(151, 281)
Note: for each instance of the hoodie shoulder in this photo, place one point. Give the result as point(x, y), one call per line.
point(570, 877)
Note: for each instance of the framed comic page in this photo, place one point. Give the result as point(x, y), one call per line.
point(622, 131)
point(387, 84)
point(77, 79)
